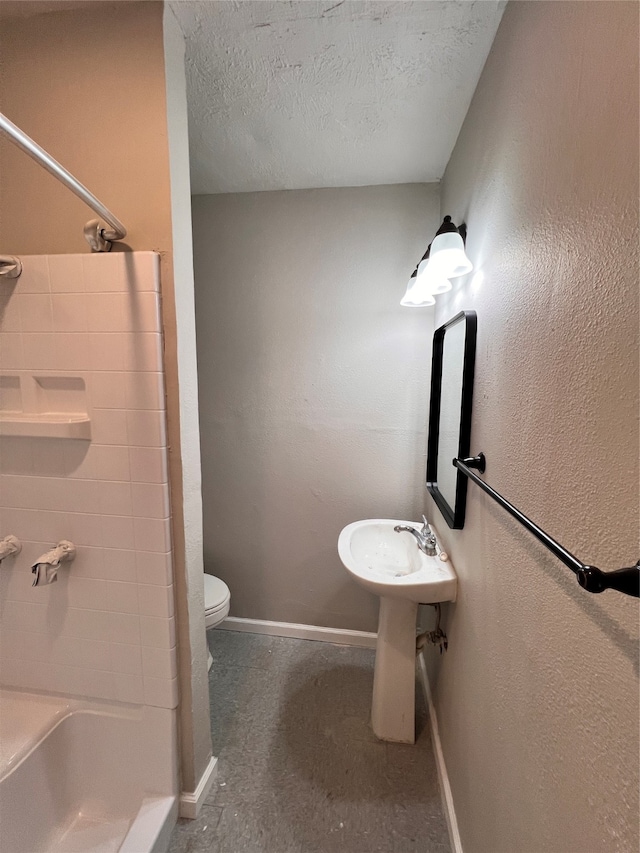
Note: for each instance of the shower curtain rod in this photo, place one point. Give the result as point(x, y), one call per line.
point(97, 237)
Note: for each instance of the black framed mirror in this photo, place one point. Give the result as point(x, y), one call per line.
point(452, 369)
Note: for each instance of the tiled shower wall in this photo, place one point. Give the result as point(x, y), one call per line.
point(81, 334)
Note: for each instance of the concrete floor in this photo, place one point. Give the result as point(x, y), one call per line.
point(299, 769)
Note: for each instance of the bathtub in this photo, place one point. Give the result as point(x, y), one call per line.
point(85, 777)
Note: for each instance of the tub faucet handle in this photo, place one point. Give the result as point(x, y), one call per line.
point(45, 568)
point(9, 545)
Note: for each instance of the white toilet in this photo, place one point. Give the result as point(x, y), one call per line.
point(217, 600)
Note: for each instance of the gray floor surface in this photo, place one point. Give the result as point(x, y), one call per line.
point(299, 769)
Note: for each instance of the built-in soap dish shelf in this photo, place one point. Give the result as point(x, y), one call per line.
point(14, 424)
point(44, 407)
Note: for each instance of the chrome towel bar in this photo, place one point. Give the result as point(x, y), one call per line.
point(590, 578)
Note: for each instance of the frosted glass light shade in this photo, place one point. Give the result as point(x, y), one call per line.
point(417, 295)
point(447, 258)
point(431, 279)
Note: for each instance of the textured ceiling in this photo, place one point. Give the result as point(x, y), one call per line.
point(288, 95)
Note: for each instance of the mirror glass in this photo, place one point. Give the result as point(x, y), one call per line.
point(454, 346)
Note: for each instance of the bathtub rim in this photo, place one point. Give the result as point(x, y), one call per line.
point(153, 822)
point(71, 706)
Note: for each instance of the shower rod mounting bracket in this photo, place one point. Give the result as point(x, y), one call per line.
point(94, 234)
point(10, 266)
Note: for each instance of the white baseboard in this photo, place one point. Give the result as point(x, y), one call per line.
point(343, 636)
point(190, 803)
point(443, 776)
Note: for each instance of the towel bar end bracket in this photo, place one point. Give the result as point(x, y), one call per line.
point(478, 462)
point(626, 580)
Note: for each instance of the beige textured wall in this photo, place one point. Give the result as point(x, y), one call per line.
point(537, 697)
point(314, 386)
point(88, 85)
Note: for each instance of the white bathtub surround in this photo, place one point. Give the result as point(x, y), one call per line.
point(81, 335)
point(114, 789)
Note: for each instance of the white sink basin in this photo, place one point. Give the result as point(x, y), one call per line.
point(391, 565)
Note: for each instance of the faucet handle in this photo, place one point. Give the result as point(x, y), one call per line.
point(9, 545)
point(425, 526)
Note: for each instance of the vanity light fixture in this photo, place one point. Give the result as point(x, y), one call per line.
point(447, 256)
point(417, 294)
point(432, 277)
point(444, 259)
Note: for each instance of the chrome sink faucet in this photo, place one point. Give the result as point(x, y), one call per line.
point(425, 538)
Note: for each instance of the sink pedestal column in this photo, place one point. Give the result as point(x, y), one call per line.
point(394, 680)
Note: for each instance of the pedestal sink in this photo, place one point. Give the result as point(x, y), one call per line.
point(391, 565)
